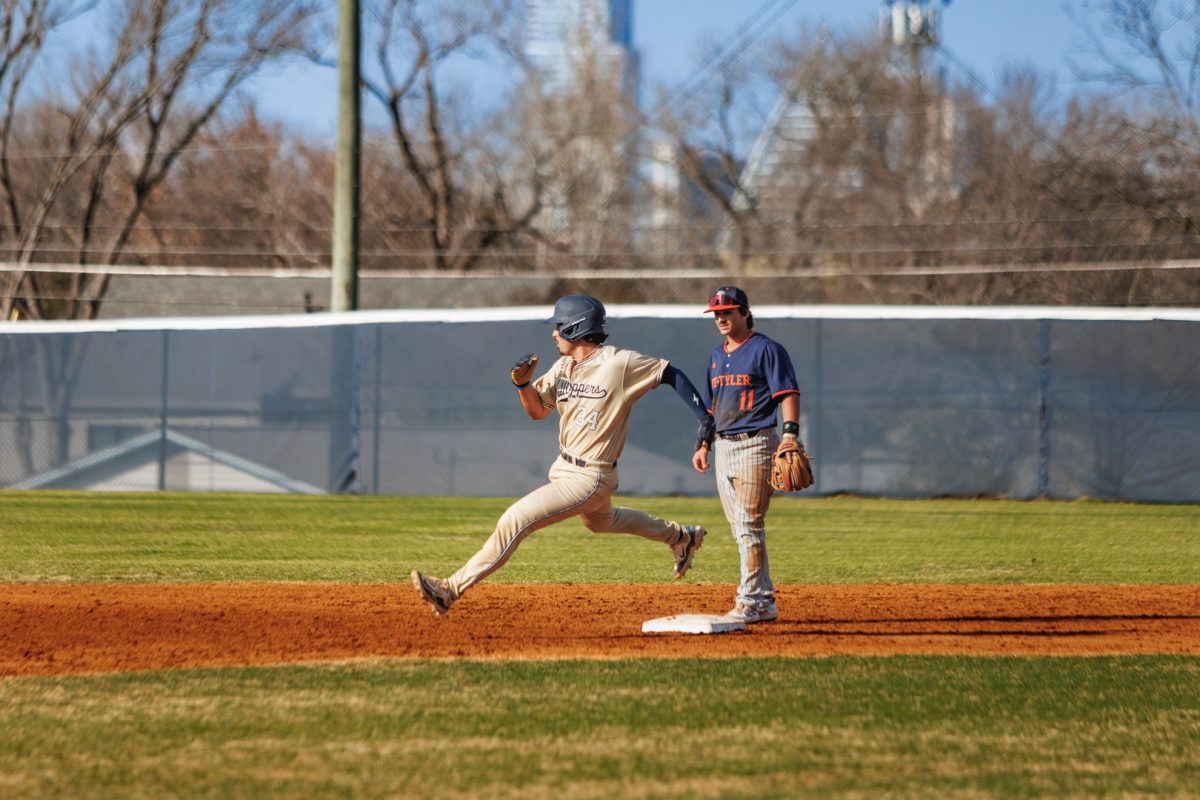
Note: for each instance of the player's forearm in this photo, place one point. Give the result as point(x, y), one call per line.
point(789, 407)
point(686, 390)
point(531, 401)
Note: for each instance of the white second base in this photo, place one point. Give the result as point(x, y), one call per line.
point(692, 623)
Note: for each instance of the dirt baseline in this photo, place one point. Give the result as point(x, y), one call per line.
point(78, 628)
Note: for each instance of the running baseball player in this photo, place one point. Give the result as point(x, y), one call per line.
point(750, 377)
point(593, 387)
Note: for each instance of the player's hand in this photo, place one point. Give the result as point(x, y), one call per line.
point(704, 439)
point(791, 467)
point(522, 371)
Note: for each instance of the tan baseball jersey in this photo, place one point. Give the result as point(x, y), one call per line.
point(594, 397)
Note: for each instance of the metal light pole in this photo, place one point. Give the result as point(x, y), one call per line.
point(343, 294)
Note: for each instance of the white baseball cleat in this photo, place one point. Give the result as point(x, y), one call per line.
point(685, 551)
point(435, 591)
point(752, 614)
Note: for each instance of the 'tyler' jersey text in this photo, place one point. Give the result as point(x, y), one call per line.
point(729, 380)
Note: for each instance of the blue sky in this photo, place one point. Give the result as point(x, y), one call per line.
point(987, 36)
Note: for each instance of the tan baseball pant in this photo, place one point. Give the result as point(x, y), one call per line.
point(573, 491)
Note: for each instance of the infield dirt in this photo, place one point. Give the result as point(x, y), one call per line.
point(79, 628)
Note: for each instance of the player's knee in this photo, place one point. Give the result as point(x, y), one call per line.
point(596, 524)
point(747, 538)
point(510, 522)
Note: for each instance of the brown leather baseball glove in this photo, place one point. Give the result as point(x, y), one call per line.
point(791, 469)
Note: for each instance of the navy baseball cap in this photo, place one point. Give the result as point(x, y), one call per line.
point(727, 297)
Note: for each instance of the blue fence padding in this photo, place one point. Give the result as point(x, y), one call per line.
point(929, 403)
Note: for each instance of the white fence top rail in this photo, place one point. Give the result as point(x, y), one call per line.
point(615, 311)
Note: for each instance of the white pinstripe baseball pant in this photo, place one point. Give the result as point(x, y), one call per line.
point(743, 470)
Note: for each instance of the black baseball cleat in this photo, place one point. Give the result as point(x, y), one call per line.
point(685, 551)
point(435, 591)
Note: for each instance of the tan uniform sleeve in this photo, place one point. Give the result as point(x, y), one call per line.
point(544, 386)
point(642, 373)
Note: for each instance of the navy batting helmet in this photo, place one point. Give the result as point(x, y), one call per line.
point(579, 315)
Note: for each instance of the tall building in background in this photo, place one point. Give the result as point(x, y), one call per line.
point(561, 34)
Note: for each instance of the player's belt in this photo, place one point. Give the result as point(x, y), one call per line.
point(579, 462)
point(738, 437)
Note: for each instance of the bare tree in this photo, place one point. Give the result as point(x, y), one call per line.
point(23, 31)
point(247, 194)
point(852, 135)
point(454, 177)
point(541, 177)
point(136, 104)
point(1148, 54)
point(705, 148)
point(582, 137)
point(1046, 187)
point(1149, 49)
point(918, 191)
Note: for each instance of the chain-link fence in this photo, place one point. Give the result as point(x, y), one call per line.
point(895, 401)
point(136, 292)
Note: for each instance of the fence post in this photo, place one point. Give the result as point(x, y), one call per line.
point(1044, 411)
point(377, 399)
point(820, 403)
point(162, 419)
point(345, 407)
point(356, 410)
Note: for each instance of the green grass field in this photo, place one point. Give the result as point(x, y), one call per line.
point(823, 727)
point(105, 537)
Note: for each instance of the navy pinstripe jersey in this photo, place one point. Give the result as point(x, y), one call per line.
point(745, 385)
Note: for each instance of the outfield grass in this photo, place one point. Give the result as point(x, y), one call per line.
point(862, 727)
point(48, 536)
point(761, 728)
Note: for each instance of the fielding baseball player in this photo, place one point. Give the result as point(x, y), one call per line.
point(749, 377)
point(593, 387)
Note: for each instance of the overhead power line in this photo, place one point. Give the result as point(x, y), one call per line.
point(647, 253)
point(763, 222)
point(323, 273)
point(747, 33)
